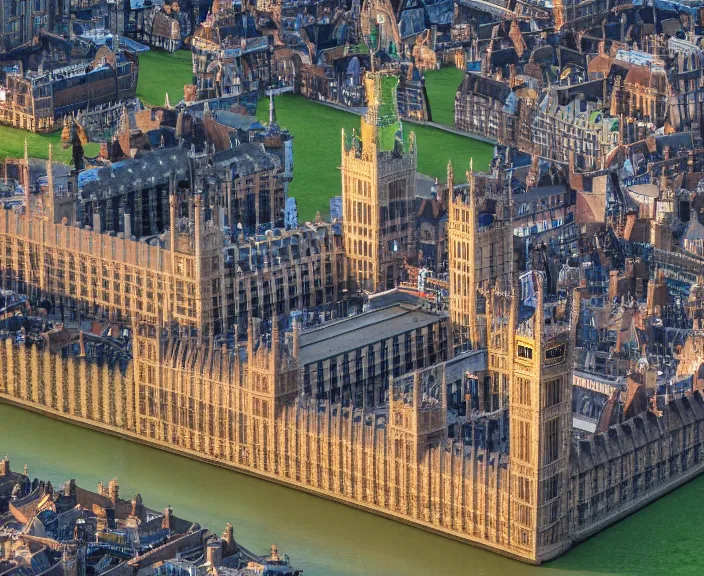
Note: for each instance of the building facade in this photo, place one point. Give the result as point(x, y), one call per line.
point(398, 460)
point(89, 257)
point(38, 101)
point(480, 249)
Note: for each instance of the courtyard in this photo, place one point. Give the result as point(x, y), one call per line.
point(316, 129)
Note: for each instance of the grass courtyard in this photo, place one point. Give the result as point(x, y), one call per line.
point(317, 150)
point(316, 129)
point(441, 86)
point(12, 144)
point(161, 73)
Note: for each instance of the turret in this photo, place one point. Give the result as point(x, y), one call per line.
point(113, 491)
point(213, 552)
point(25, 177)
point(296, 339)
point(274, 556)
point(229, 544)
point(70, 488)
point(48, 200)
point(450, 181)
point(166, 522)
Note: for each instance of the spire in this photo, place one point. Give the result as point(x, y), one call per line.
point(66, 133)
point(82, 135)
point(179, 124)
point(275, 342)
point(470, 180)
point(450, 181)
point(296, 339)
point(50, 175)
point(124, 127)
point(272, 110)
point(25, 175)
point(250, 338)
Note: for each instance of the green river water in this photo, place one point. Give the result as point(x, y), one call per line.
point(324, 538)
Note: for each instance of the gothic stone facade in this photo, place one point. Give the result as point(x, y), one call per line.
point(208, 402)
point(188, 277)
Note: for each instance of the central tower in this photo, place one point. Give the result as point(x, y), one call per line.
point(378, 190)
point(480, 248)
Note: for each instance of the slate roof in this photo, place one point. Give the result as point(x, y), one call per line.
point(154, 169)
point(246, 159)
point(484, 86)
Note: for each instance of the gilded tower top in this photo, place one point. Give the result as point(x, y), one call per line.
point(381, 126)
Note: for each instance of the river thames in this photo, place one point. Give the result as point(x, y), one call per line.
point(324, 538)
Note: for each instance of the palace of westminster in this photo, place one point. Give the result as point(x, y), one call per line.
point(511, 358)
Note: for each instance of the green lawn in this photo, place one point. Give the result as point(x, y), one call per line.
point(316, 129)
point(441, 86)
point(161, 73)
point(317, 150)
point(12, 144)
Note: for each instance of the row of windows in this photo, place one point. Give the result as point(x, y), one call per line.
point(552, 441)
